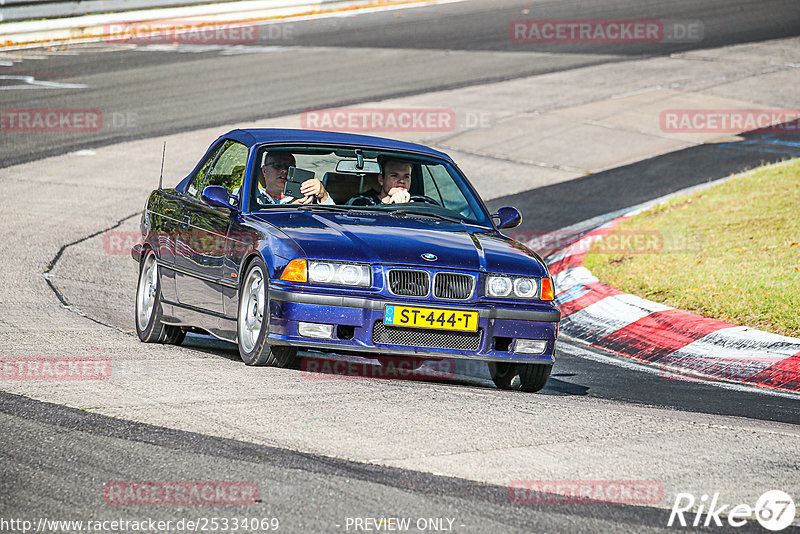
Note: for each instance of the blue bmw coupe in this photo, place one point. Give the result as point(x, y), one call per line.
point(281, 240)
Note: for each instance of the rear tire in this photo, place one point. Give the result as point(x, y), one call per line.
point(252, 322)
point(148, 313)
point(502, 373)
point(533, 377)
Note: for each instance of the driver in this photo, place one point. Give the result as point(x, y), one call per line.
point(274, 174)
point(395, 181)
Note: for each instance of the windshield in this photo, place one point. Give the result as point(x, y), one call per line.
point(365, 179)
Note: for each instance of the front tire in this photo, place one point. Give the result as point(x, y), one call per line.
point(533, 377)
point(252, 322)
point(502, 373)
point(148, 314)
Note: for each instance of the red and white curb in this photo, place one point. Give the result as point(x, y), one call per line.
point(682, 344)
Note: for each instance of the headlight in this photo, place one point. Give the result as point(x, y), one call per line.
point(498, 286)
point(525, 288)
point(321, 272)
point(346, 274)
point(520, 287)
point(353, 275)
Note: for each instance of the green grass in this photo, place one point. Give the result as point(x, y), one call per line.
point(730, 252)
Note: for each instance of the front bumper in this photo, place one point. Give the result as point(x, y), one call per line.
point(358, 328)
point(136, 252)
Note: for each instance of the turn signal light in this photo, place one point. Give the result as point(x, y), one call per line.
point(547, 289)
point(295, 271)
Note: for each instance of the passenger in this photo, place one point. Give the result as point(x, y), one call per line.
point(395, 181)
point(274, 175)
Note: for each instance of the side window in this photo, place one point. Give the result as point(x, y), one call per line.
point(430, 188)
point(440, 186)
point(199, 181)
point(228, 170)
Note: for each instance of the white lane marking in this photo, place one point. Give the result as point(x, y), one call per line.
point(29, 82)
point(573, 347)
point(239, 49)
point(84, 153)
point(360, 11)
point(288, 19)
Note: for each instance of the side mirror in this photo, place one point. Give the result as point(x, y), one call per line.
point(218, 196)
point(509, 217)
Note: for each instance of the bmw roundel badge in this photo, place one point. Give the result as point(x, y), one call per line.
point(429, 257)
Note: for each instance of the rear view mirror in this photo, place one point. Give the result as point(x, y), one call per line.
point(350, 166)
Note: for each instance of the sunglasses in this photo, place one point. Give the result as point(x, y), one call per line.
point(279, 166)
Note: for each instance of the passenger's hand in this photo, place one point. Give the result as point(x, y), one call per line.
point(313, 188)
point(397, 195)
point(304, 200)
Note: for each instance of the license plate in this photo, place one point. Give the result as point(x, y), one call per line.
point(466, 321)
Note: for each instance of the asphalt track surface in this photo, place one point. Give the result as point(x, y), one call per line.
point(339, 61)
point(54, 457)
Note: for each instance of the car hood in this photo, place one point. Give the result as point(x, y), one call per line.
point(391, 240)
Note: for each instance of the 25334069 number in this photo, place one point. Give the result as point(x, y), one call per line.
point(438, 318)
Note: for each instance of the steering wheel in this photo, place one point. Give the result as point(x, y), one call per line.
point(424, 198)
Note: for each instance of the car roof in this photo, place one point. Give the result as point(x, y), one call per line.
point(257, 136)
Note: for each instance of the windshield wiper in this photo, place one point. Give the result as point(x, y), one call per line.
point(329, 207)
point(370, 209)
point(405, 213)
